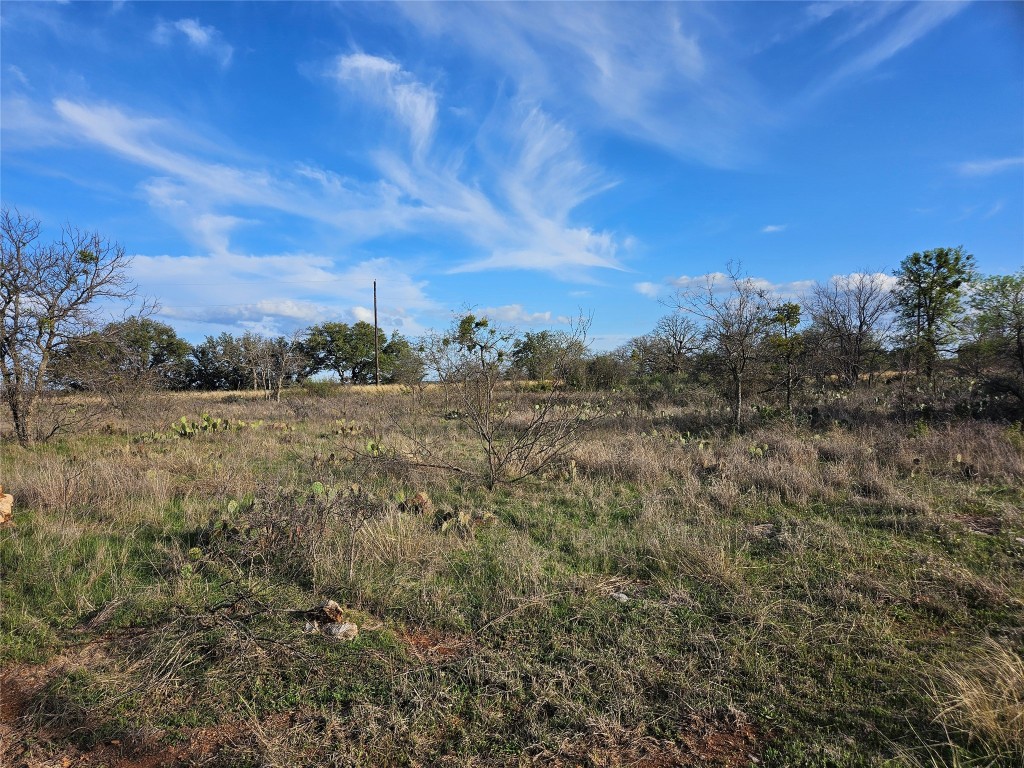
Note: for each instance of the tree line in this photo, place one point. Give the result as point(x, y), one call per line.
point(932, 321)
point(144, 352)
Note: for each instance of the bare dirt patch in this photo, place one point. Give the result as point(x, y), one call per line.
point(26, 744)
point(430, 645)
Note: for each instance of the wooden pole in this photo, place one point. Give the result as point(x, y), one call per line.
point(376, 340)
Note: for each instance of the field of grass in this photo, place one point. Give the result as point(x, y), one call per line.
point(670, 594)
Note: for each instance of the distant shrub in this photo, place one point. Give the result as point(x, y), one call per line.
point(320, 388)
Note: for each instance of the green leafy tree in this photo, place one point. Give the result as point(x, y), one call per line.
point(222, 363)
point(360, 350)
point(546, 355)
point(400, 362)
point(327, 348)
point(609, 370)
point(155, 347)
point(641, 353)
point(535, 355)
point(929, 302)
point(123, 360)
point(786, 348)
point(348, 351)
point(998, 322)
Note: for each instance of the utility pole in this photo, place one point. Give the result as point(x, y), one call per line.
point(376, 340)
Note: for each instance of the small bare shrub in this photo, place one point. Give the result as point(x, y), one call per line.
point(519, 430)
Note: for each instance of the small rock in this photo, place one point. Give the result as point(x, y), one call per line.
point(310, 626)
point(332, 611)
point(344, 631)
point(6, 508)
point(620, 597)
point(419, 504)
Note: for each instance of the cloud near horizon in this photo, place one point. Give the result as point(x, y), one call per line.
point(515, 314)
point(281, 293)
point(721, 283)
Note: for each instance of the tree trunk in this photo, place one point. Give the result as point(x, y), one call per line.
point(789, 388)
point(738, 402)
point(22, 409)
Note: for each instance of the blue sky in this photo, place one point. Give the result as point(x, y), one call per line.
point(264, 162)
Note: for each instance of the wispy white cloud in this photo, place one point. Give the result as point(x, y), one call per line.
point(15, 73)
point(648, 289)
point(534, 176)
point(205, 39)
point(519, 216)
point(773, 228)
point(191, 182)
point(215, 231)
point(414, 103)
point(671, 74)
point(910, 26)
point(979, 210)
point(638, 69)
point(25, 126)
point(515, 314)
point(989, 167)
point(144, 140)
point(995, 210)
point(863, 17)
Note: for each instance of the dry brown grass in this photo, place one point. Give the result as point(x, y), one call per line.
point(785, 568)
point(983, 696)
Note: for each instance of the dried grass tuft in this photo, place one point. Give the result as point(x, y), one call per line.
point(984, 698)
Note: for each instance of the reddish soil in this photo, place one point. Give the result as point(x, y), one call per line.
point(723, 739)
point(23, 744)
point(428, 645)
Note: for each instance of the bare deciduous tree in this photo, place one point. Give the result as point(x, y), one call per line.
point(853, 314)
point(677, 338)
point(285, 361)
point(49, 296)
point(736, 317)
